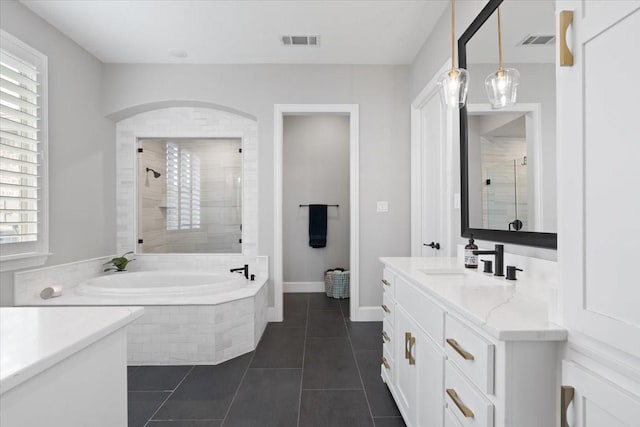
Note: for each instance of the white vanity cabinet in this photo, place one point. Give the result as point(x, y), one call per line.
point(418, 366)
point(445, 369)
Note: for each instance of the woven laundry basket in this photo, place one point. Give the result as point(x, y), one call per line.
point(336, 283)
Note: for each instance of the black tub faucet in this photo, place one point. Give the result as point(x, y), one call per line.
point(498, 252)
point(244, 269)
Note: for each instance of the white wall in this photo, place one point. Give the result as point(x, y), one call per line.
point(315, 170)
point(432, 55)
point(380, 91)
point(81, 145)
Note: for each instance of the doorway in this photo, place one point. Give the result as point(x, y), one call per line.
point(291, 219)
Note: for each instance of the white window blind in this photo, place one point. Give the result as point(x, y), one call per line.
point(20, 146)
point(183, 188)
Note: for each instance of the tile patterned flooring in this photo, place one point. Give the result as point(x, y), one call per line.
point(315, 369)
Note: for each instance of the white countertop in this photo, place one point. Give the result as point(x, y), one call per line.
point(33, 339)
point(499, 307)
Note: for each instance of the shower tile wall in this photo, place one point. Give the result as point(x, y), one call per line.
point(498, 198)
point(221, 198)
point(152, 195)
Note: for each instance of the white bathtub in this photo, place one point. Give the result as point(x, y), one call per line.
point(160, 283)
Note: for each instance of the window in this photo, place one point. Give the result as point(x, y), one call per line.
point(23, 161)
point(183, 188)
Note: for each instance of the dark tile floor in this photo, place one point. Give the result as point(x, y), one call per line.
point(315, 369)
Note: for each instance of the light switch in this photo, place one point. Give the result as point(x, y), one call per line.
point(383, 206)
point(456, 200)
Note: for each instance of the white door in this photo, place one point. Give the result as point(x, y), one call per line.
point(431, 168)
point(599, 173)
point(598, 402)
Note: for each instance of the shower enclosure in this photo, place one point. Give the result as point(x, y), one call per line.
point(190, 195)
point(506, 196)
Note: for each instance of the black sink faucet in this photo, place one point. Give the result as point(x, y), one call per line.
point(499, 255)
point(244, 269)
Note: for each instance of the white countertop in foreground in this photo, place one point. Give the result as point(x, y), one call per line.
point(493, 304)
point(33, 339)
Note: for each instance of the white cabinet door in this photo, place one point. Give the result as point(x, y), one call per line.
point(419, 374)
point(598, 173)
point(598, 402)
point(406, 372)
point(430, 364)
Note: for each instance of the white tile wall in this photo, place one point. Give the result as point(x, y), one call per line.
point(184, 122)
point(187, 335)
point(28, 284)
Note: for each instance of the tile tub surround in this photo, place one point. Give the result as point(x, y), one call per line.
point(184, 122)
point(192, 329)
point(271, 387)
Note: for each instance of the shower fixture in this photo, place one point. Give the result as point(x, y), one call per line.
point(155, 174)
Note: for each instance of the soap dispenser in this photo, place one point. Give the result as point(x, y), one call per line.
point(470, 259)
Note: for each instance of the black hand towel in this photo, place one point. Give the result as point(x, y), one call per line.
point(317, 226)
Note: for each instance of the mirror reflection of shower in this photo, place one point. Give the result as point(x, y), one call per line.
point(193, 203)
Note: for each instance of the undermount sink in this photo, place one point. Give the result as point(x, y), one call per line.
point(460, 276)
point(447, 271)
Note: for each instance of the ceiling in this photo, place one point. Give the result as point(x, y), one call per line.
point(244, 32)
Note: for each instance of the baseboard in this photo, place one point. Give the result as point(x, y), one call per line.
point(288, 287)
point(370, 314)
point(272, 316)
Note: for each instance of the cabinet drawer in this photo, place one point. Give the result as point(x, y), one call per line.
point(429, 316)
point(388, 282)
point(470, 352)
point(387, 338)
point(388, 368)
point(388, 307)
point(467, 405)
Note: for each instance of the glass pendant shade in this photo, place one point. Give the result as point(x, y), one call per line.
point(453, 88)
point(502, 87)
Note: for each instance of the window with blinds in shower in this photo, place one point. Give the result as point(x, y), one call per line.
point(23, 220)
point(183, 188)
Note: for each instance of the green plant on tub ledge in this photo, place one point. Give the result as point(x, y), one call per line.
point(118, 263)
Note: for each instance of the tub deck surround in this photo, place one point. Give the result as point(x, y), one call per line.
point(28, 284)
point(190, 326)
point(33, 339)
point(506, 310)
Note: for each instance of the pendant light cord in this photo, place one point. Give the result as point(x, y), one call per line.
point(499, 41)
point(453, 34)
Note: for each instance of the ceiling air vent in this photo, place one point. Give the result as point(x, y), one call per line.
point(537, 40)
point(300, 40)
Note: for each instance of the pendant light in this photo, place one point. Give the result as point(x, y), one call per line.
point(453, 83)
point(502, 86)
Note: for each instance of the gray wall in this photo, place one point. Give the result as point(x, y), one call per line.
point(81, 145)
point(380, 91)
point(316, 170)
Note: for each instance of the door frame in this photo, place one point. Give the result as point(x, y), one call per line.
point(352, 110)
point(447, 141)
